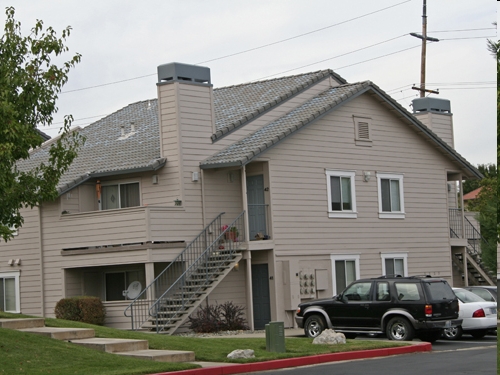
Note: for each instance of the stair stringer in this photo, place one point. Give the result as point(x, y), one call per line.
point(195, 303)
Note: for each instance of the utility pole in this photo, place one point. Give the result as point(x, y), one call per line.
point(424, 38)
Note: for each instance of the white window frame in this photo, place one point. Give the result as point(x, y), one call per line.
point(15, 275)
point(345, 257)
point(403, 256)
point(118, 183)
point(392, 214)
point(349, 214)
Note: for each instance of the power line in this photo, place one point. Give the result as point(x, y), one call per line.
point(304, 34)
point(245, 51)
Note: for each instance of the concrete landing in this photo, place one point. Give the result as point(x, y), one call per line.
point(22, 323)
point(62, 333)
point(161, 355)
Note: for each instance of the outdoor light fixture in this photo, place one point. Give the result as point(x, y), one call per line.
point(178, 202)
point(367, 176)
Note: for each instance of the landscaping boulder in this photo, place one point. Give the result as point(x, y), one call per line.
point(329, 337)
point(241, 353)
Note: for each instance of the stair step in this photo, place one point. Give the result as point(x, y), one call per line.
point(62, 333)
point(161, 355)
point(22, 323)
point(113, 345)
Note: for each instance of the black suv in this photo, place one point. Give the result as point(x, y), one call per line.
point(400, 307)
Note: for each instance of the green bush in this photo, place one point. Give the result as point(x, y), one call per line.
point(81, 309)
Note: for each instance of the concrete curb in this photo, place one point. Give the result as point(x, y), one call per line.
point(303, 361)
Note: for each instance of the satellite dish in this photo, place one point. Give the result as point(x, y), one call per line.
point(134, 289)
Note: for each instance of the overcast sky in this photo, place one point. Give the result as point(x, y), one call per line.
point(121, 40)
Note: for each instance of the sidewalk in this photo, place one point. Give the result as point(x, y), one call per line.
point(223, 368)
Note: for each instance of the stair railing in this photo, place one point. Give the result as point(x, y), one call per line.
point(138, 309)
point(179, 297)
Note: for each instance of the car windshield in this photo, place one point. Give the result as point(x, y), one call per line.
point(439, 290)
point(465, 296)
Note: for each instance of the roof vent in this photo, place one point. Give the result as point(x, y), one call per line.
point(431, 105)
point(177, 72)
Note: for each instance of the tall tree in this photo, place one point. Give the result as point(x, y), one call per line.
point(29, 86)
point(487, 170)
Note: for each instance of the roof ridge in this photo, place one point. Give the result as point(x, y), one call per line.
point(323, 71)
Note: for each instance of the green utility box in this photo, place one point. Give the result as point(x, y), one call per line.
point(275, 337)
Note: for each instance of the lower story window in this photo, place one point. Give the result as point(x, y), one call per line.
point(9, 292)
point(118, 282)
point(345, 271)
point(395, 264)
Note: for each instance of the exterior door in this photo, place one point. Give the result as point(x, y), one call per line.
point(256, 205)
point(261, 297)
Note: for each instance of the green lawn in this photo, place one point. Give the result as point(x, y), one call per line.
point(23, 353)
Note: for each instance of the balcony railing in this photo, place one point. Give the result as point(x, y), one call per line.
point(461, 227)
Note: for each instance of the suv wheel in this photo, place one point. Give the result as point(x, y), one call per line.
point(453, 333)
point(315, 324)
point(400, 329)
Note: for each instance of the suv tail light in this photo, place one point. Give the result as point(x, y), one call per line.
point(478, 314)
point(428, 311)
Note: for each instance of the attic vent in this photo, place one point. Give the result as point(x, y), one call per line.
point(363, 130)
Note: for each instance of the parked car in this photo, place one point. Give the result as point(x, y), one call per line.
point(399, 307)
point(478, 316)
point(486, 292)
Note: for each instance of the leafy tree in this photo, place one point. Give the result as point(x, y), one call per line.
point(487, 170)
point(487, 205)
point(29, 86)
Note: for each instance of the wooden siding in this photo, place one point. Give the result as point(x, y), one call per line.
point(301, 225)
point(25, 246)
point(441, 124)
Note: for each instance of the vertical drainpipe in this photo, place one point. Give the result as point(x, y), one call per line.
point(40, 242)
point(462, 211)
point(203, 198)
point(249, 254)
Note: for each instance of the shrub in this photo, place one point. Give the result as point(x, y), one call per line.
point(215, 318)
point(81, 309)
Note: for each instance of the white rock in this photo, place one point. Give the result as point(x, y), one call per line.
point(330, 337)
point(241, 353)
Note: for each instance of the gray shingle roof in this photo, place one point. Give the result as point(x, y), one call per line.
point(236, 105)
point(106, 151)
point(246, 149)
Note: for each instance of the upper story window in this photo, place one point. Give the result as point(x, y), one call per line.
point(341, 194)
point(390, 196)
point(120, 195)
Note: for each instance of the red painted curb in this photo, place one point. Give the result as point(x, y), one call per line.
point(303, 361)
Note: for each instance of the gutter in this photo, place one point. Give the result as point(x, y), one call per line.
point(154, 166)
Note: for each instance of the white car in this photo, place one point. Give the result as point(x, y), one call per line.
point(479, 316)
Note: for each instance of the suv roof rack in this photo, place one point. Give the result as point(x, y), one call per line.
point(389, 276)
point(420, 276)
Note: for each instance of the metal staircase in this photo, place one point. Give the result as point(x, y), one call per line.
point(166, 303)
point(478, 273)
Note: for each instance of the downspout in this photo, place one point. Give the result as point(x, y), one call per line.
point(203, 198)
point(40, 242)
point(249, 292)
point(462, 211)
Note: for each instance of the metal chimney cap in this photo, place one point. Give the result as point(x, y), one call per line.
point(431, 104)
point(177, 72)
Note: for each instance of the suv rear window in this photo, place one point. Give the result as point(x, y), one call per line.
point(408, 291)
point(439, 290)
